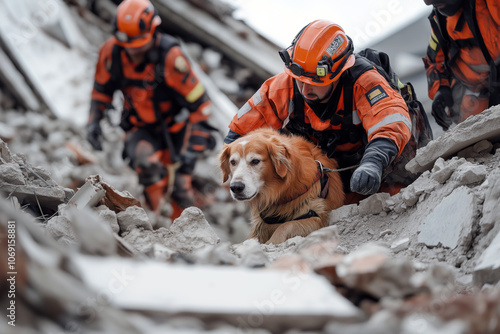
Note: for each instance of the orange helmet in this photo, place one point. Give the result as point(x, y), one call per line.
point(135, 23)
point(319, 53)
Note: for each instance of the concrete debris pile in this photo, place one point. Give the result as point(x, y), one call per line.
point(422, 261)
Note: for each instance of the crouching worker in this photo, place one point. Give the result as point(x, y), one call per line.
point(341, 102)
point(165, 105)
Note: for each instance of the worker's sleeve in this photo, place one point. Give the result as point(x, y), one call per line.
point(381, 109)
point(437, 75)
point(494, 8)
point(269, 106)
point(104, 84)
point(190, 91)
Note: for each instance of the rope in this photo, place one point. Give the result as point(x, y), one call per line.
point(329, 170)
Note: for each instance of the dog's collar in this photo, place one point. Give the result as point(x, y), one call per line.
point(320, 174)
point(280, 220)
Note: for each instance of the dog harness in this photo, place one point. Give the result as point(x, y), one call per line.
point(321, 176)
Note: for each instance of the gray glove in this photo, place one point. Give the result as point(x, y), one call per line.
point(94, 133)
point(367, 178)
point(443, 99)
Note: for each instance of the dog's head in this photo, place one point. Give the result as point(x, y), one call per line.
point(255, 163)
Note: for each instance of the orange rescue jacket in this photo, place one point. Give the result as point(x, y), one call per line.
point(455, 54)
point(377, 111)
point(177, 86)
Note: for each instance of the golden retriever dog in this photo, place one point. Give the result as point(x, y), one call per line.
point(282, 179)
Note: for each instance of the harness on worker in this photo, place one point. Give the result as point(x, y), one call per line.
point(451, 48)
point(351, 130)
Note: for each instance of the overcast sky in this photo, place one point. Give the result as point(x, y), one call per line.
point(363, 20)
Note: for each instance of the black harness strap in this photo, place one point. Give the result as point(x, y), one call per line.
point(280, 220)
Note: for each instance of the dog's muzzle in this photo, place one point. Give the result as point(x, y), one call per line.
point(238, 191)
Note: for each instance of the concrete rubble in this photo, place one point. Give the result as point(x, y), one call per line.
point(425, 257)
point(91, 258)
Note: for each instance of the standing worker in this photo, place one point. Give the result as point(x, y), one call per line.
point(463, 58)
point(339, 101)
point(165, 105)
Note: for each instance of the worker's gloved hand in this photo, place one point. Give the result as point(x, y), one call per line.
point(367, 178)
point(94, 133)
point(442, 99)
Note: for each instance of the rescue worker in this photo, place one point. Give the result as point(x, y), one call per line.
point(165, 105)
point(463, 58)
point(337, 100)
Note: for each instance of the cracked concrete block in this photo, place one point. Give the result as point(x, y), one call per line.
point(5, 154)
point(11, 173)
point(491, 212)
point(488, 267)
point(469, 173)
point(109, 217)
point(450, 224)
point(374, 204)
point(133, 216)
point(400, 245)
point(60, 227)
point(191, 231)
point(477, 150)
point(442, 169)
point(342, 213)
point(471, 131)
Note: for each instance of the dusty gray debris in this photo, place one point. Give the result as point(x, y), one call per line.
point(220, 254)
point(160, 252)
point(344, 212)
point(60, 227)
point(477, 150)
point(11, 173)
point(251, 254)
point(96, 237)
point(442, 169)
point(133, 217)
point(469, 173)
point(400, 245)
point(191, 231)
point(5, 155)
point(488, 267)
point(374, 204)
point(450, 224)
point(109, 217)
point(491, 212)
point(473, 130)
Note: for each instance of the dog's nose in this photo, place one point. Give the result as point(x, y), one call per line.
point(237, 187)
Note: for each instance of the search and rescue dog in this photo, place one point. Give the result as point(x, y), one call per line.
point(282, 179)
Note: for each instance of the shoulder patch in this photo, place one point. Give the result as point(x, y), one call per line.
point(180, 64)
point(376, 94)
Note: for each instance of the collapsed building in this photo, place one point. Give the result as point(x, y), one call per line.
point(89, 258)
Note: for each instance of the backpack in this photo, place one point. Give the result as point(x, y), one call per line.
point(421, 132)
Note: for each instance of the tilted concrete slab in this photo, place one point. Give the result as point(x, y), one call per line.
point(472, 130)
point(451, 221)
point(261, 298)
point(488, 268)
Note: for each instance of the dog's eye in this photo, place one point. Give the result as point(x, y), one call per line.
point(233, 162)
point(254, 162)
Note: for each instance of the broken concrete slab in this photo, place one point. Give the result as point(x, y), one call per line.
point(11, 173)
point(442, 169)
point(133, 217)
point(47, 197)
point(87, 196)
point(275, 298)
point(59, 227)
point(450, 224)
point(191, 231)
point(479, 149)
point(471, 131)
point(488, 267)
point(469, 173)
point(491, 205)
point(371, 270)
point(344, 212)
point(109, 216)
point(373, 205)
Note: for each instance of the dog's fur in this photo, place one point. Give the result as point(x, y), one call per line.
point(266, 169)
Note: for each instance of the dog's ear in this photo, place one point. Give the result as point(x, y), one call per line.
point(280, 157)
point(224, 162)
